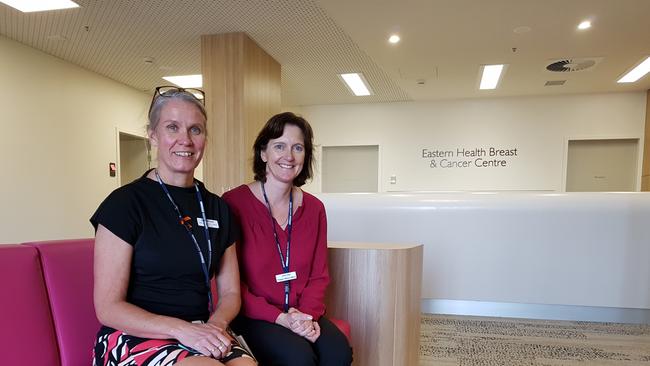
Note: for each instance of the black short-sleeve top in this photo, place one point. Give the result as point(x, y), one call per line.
point(166, 275)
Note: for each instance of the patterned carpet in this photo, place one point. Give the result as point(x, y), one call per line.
point(474, 341)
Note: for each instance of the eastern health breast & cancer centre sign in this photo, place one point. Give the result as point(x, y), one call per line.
point(463, 157)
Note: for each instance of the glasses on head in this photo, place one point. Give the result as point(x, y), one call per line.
point(172, 91)
point(168, 91)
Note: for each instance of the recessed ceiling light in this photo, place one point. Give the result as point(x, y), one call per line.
point(491, 74)
point(636, 73)
point(356, 83)
point(186, 81)
point(28, 6)
point(394, 38)
point(584, 25)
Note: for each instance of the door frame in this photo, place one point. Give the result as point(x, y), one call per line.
point(639, 155)
point(319, 163)
point(118, 130)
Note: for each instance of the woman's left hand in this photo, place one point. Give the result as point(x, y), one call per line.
point(308, 329)
point(208, 339)
point(223, 343)
point(313, 335)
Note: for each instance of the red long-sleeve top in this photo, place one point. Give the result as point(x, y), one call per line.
point(259, 261)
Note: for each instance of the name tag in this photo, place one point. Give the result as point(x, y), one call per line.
point(214, 224)
point(283, 277)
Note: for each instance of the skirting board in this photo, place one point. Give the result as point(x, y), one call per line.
point(536, 311)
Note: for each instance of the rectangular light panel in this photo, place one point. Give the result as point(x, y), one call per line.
point(357, 84)
point(28, 6)
point(491, 76)
point(636, 73)
point(186, 81)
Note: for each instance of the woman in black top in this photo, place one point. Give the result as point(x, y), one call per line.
point(159, 241)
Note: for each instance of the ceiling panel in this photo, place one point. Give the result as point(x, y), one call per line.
point(443, 43)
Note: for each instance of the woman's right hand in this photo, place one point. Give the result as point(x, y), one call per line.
point(208, 339)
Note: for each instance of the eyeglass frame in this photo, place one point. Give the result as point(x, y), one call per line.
point(175, 89)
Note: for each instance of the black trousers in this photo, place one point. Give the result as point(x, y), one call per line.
point(275, 345)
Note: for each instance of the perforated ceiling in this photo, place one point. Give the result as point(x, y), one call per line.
point(113, 38)
point(444, 42)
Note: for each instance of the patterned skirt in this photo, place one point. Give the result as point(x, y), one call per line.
point(115, 348)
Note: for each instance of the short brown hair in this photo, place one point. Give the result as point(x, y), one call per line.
point(273, 129)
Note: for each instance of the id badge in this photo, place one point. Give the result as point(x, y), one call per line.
point(283, 277)
point(213, 224)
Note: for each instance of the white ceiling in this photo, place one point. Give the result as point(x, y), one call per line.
point(444, 42)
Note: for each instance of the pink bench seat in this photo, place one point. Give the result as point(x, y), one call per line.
point(47, 316)
point(68, 272)
point(26, 333)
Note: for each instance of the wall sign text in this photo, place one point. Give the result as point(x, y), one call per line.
point(462, 157)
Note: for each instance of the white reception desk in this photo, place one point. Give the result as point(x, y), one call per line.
point(580, 256)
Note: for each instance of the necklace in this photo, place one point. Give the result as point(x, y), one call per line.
point(281, 221)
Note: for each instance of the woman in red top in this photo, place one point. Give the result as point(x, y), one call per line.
point(283, 253)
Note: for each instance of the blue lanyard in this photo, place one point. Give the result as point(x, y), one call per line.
point(205, 268)
point(284, 261)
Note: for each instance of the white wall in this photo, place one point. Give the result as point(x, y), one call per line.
point(538, 127)
point(58, 136)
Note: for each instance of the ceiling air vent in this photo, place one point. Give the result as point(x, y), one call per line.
point(572, 64)
point(555, 82)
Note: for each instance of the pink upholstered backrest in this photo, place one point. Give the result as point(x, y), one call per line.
point(26, 327)
point(68, 273)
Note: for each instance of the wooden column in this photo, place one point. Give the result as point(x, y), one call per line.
point(645, 175)
point(377, 289)
point(242, 87)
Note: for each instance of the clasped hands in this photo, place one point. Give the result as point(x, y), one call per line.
point(207, 338)
point(300, 323)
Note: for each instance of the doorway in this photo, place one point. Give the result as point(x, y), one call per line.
point(134, 158)
point(350, 168)
point(608, 165)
